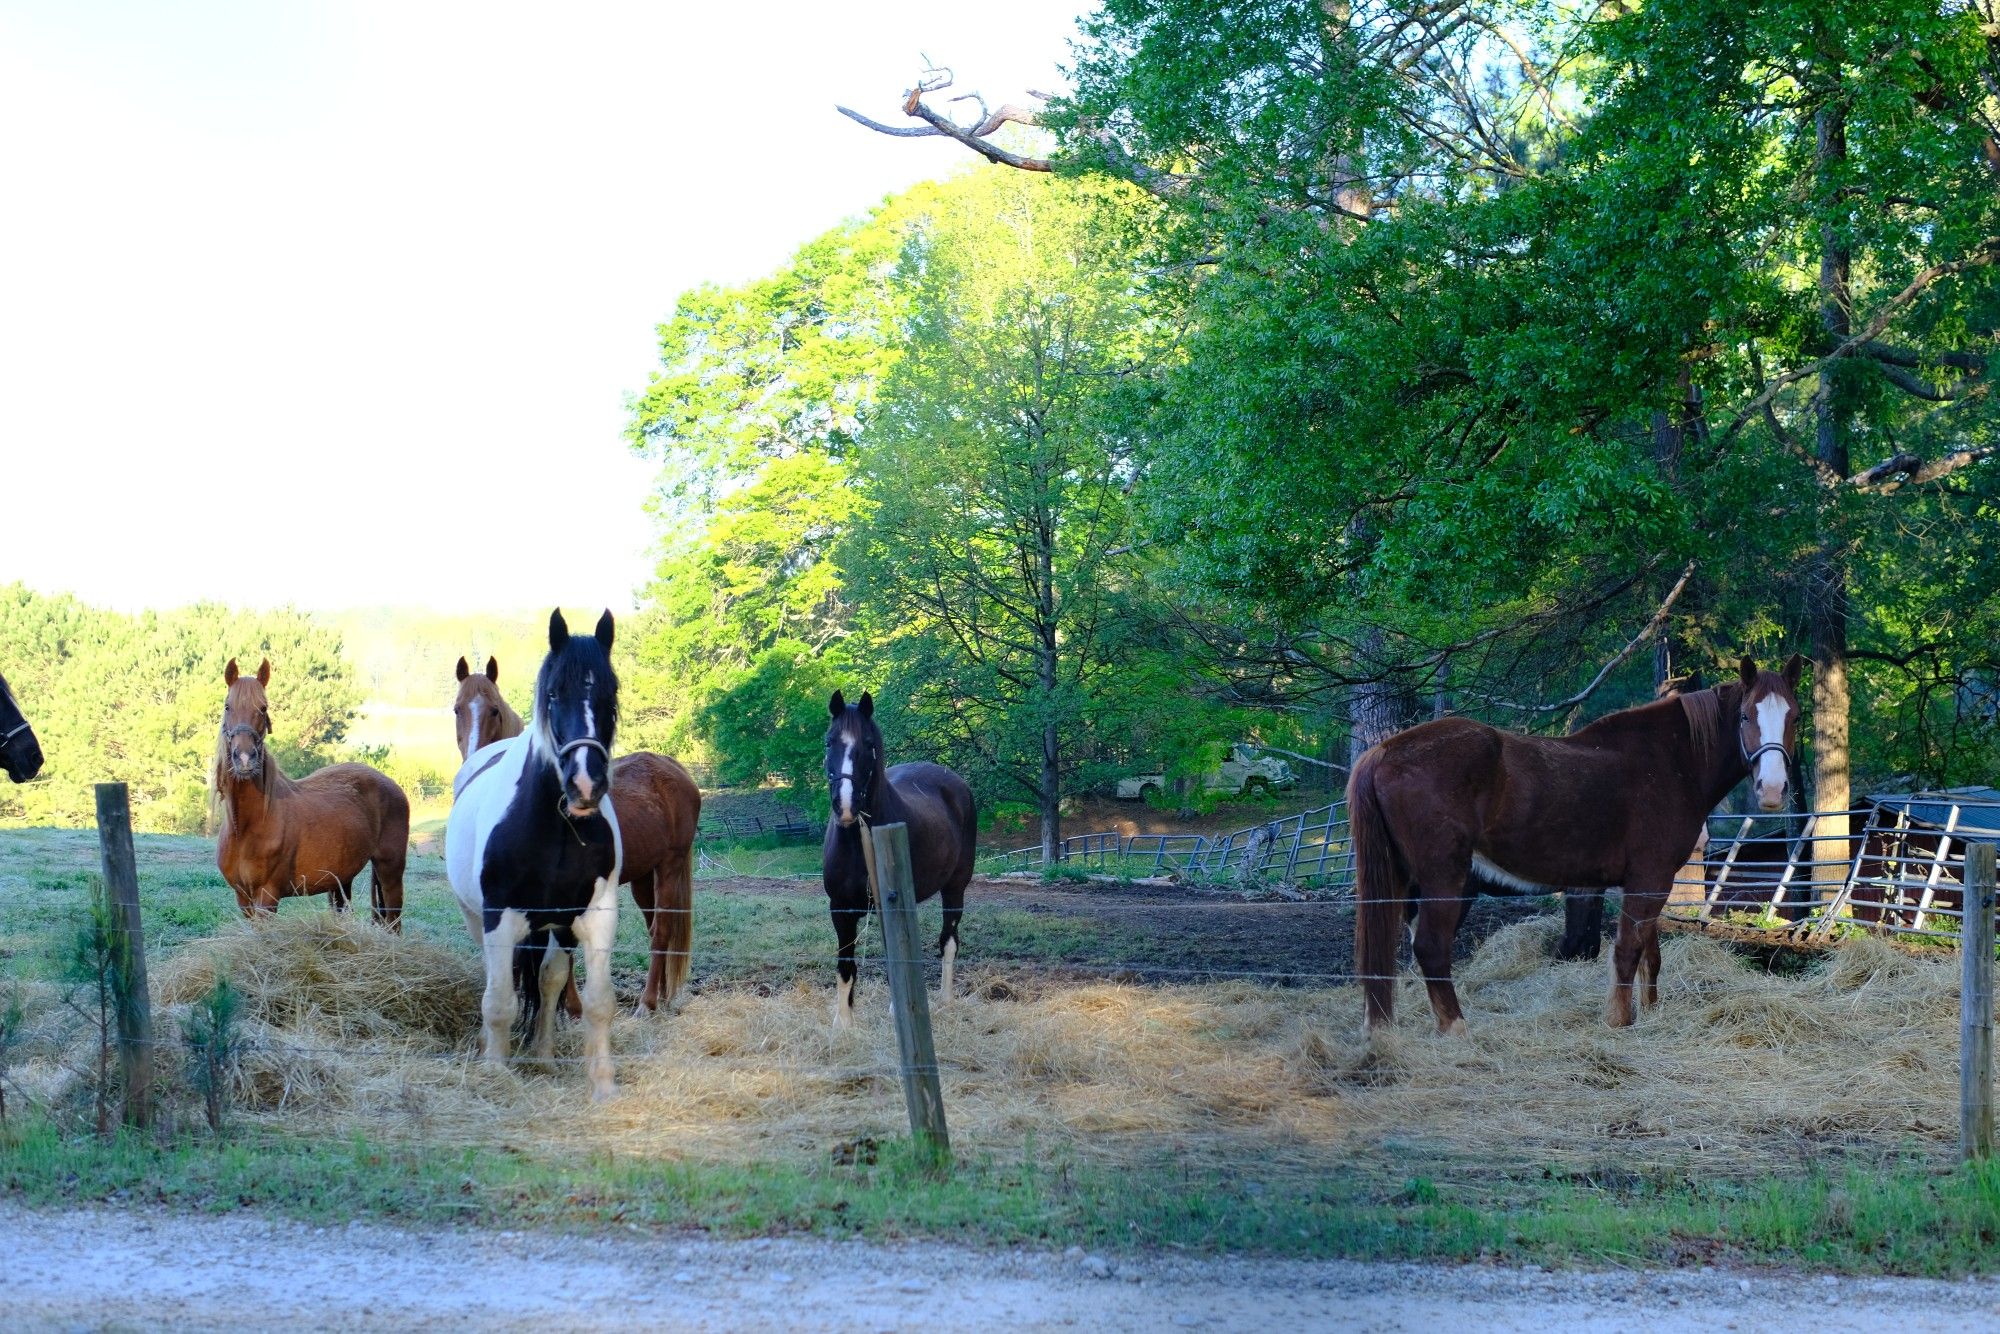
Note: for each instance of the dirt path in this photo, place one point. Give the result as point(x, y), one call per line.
point(106, 1270)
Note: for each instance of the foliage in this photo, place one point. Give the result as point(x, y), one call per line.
point(138, 699)
point(214, 1037)
point(1487, 313)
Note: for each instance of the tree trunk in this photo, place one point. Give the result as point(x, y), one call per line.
point(1374, 710)
point(1826, 587)
point(1046, 665)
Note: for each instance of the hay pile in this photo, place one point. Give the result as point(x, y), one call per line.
point(359, 1031)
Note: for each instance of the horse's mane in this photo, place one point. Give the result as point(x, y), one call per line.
point(1704, 712)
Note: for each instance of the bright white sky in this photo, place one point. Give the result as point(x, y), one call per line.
point(338, 304)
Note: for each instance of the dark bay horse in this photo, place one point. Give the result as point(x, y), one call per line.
point(282, 837)
point(20, 751)
point(1452, 806)
point(659, 807)
point(534, 854)
point(936, 805)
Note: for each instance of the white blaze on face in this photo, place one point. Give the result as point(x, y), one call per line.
point(471, 726)
point(843, 789)
point(1770, 775)
point(583, 783)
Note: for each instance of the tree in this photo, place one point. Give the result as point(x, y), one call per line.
point(995, 476)
point(1508, 311)
point(138, 699)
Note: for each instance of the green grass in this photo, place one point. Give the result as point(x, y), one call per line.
point(1901, 1219)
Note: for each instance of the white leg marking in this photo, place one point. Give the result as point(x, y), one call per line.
point(950, 957)
point(843, 1003)
point(498, 1008)
point(554, 975)
point(595, 929)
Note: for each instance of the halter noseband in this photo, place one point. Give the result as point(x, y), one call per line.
point(563, 751)
point(1750, 756)
point(14, 732)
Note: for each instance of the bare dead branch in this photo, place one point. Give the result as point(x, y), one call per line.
point(1907, 469)
point(1652, 628)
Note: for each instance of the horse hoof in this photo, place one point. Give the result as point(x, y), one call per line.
point(602, 1092)
point(1454, 1029)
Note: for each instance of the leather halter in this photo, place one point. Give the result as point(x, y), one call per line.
point(14, 732)
point(1750, 756)
point(563, 752)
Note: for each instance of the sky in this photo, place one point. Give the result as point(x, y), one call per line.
point(340, 304)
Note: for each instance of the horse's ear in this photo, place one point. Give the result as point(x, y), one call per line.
point(1694, 682)
point(604, 630)
point(264, 672)
point(867, 705)
point(1747, 670)
point(837, 705)
point(1793, 668)
point(558, 630)
point(229, 673)
point(493, 670)
point(463, 670)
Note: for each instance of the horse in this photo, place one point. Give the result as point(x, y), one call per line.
point(482, 714)
point(20, 750)
point(659, 807)
point(534, 853)
point(282, 837)
point(1454, 804)
point(936, 805)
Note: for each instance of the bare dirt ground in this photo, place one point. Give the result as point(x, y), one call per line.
point(1166, 933)
point(114, 1270)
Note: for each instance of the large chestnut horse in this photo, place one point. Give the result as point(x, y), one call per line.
point(282, 837)
point(1453, 806)
point(658, 809)
point(20, 751)
point(933, 802)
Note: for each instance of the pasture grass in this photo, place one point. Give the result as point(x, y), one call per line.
point(1872, 1219)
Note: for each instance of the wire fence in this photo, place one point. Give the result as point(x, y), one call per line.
point(1895, 864)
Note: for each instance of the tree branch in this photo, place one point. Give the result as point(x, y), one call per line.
point(1652, 629)
point(1907, 469)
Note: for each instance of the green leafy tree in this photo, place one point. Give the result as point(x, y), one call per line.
point(995, 477)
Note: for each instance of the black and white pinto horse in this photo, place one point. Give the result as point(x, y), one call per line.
point(936, 805)
point(534, 855)
point(19, 750)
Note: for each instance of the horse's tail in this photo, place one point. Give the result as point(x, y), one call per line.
point(673, 895)
point(1380, 887)
point(528, 976)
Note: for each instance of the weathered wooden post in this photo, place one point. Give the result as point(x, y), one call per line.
point(128, 950)
point(902, 952)
point(1975, 1006)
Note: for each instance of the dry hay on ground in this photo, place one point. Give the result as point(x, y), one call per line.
point(357, 1031)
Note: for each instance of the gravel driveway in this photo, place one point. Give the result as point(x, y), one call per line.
point(109, 1269)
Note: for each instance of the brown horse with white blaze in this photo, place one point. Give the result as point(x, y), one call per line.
point(659, 807)
point(1454, 806)
point(283, 837)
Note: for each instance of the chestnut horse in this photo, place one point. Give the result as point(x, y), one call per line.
point(20, 751)
point(932, 801)
point(658, 809)
point(1451, 806)
point(283, 837)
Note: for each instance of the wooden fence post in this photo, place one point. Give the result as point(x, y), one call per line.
point(902, 952)
point(1975, 1006)
point(128, 950)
